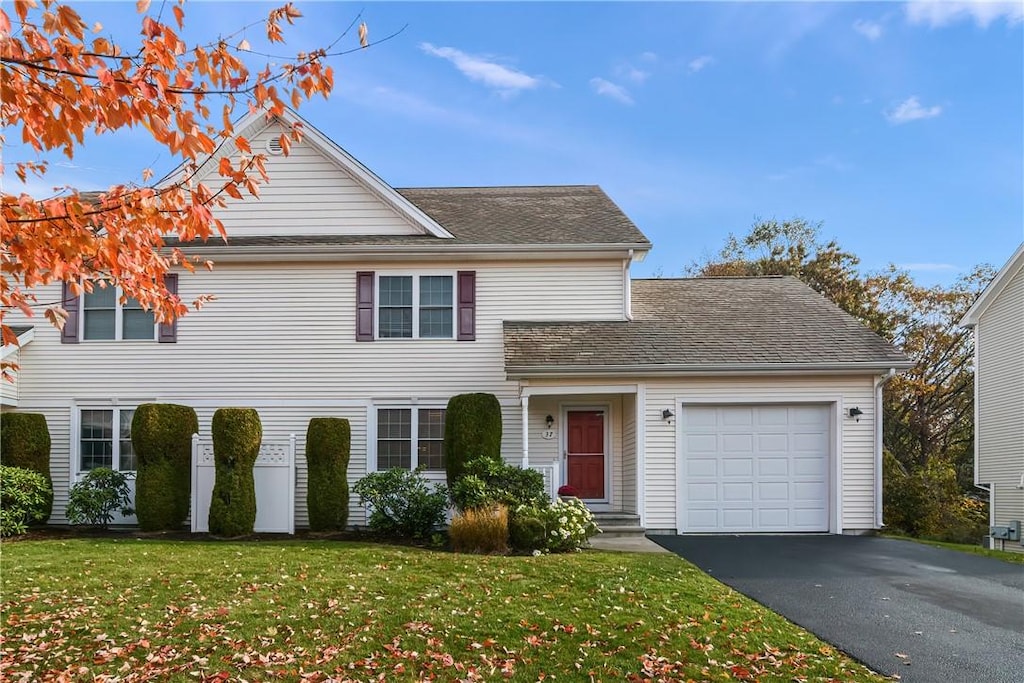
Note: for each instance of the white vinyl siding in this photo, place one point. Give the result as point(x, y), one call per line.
point(1000, 339)
point(999, 336)
point(308, 194)
point(628, 467)
point(286, 332)
point(9, 390)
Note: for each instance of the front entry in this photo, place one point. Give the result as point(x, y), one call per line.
point(585, 453)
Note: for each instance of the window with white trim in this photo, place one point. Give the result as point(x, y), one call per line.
point(104, 317)
point(105, 439)
point(408, 438)
point(415, 306)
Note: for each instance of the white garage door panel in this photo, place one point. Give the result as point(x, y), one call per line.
point(755, 468)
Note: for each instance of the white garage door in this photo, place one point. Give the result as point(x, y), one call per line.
point(751, 468)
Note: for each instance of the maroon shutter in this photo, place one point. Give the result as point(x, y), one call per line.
point(167, 333)
point(364, 306)
point(467, 305)
point(69, 333)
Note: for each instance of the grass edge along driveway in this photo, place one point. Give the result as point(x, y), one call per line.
point(186, 610)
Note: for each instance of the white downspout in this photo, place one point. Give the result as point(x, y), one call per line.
point(627, 290)
point(879, 383)
point(525, 400)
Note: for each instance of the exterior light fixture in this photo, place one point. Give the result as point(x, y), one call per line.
point(550, 421)
point(856, 413)
point(667, 415)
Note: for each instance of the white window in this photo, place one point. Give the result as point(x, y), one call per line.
point(105, 439)
point(415, 306)
point(408, 438)
point(105, 318)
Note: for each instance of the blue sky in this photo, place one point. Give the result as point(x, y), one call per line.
point(899, 126)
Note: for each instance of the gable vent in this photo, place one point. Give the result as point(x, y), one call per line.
point(274, 145)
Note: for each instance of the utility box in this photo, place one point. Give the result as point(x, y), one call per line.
point(1011, 532)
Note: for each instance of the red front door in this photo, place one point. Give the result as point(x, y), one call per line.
point(585, 453)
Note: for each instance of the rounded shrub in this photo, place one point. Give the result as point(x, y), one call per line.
point(328, 441)
point(237, 434)
point(25, 443)
point(472, 430)
point(162, 440)
point(25, 496)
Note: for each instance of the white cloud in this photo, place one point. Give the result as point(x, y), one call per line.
point(931, 267)
point(649, 56)
point(632, 73)
point(611, 90)
point(911, 109)
point(700, 63)
point(491, 74)
point(871, 30)
point(937, 14)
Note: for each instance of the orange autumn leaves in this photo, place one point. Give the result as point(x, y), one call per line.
point(62, 80)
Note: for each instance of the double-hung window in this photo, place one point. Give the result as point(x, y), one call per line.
point(415, 307)
point(105, 439)
point(105, 318)
point(408, 438)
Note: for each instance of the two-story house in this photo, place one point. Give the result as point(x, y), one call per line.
point(697, 405)
point(997, 321)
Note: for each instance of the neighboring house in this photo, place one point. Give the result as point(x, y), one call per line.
point(693, 405)
point(997, 319)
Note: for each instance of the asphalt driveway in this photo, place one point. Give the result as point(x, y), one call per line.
point(927, 614)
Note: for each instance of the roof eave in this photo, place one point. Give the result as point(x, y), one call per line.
point(999, 282)
point(326, 251)
point(23, 339)
point(868, 367)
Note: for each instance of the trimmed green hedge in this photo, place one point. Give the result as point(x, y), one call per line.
point(25, 497)
point(328, 441)
point(25, 443)
point(162, 439)
point(237, 434)
point(472, 430)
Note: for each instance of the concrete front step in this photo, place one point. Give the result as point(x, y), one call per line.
point(618, 524)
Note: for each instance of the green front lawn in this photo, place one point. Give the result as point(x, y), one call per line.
point(1005, 555)
point(186, 610)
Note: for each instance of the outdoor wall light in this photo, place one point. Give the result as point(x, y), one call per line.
point(856, 413)
point(667, 414)
point(550, 421)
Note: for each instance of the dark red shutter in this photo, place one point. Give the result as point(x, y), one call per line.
point(69, 333)
point(167, 333)
point(467, 305)
point(364, 306)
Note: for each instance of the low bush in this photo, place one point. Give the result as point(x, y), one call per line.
point(162, 440)
point(472, 430)
point(25, 443)
point(25, 498)
point(559, 527)
point(237, 434)
point(928, 503)
point(402, 503)
point(99, 494)
point(483, 530)
point(328, 442)
point(487, 483)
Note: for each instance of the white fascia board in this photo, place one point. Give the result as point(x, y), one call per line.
point(999, 282)
point(23, 339)
point(516, 372)
point(340, 252)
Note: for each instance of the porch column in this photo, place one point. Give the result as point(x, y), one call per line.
point(526, 430)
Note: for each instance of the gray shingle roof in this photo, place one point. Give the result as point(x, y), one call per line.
point(19, 330)
point(564, 215)
point(706, 323)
